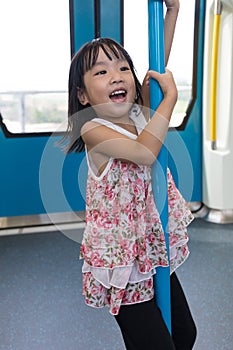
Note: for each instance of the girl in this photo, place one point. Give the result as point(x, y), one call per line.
point(123, 241)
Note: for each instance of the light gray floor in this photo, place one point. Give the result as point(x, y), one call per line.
point(41, 306)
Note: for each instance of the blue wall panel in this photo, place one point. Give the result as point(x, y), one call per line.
point(26, 184)
point(83, 18)
point(110, 19)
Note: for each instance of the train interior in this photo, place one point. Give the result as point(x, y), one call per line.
point(42, 190)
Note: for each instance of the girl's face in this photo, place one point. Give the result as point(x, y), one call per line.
point(109, 87)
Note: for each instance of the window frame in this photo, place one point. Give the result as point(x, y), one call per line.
point(181, 127)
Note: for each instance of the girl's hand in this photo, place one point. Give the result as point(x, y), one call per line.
point(166, 83)
point(172, 4)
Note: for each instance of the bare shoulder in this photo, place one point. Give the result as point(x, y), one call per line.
point(111, 143)
point(91, 131)
point(96, 135)
point(88, 126)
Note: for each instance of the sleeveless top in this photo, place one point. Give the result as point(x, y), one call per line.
point(123, 240)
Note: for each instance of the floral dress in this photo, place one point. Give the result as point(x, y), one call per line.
point(123, 241)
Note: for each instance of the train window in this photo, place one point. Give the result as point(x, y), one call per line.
point(35, 58)
point(181, 57)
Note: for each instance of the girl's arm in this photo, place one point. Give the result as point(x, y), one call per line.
point(105, 142)
point(169, 25)
point(169, 30)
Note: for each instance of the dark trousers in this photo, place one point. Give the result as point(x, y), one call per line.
point(143, 328)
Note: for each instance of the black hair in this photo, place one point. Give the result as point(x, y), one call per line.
point(82, 62)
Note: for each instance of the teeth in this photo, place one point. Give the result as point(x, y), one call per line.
point(118, 92)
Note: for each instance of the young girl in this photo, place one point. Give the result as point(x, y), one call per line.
point(123, 241)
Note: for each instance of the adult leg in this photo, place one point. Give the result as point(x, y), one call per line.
point(183, 327)
point(143, 328)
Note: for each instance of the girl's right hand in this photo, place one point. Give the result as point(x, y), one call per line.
point(166, 83)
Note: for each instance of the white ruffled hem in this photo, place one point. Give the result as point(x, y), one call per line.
point(119, 276)
point(174, 248)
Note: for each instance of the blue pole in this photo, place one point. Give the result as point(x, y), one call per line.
point(159, 169)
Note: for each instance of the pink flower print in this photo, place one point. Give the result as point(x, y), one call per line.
point(94, 290)
point(135, 248)
point(177, 214)
point(94, 231)
point(124, 166)
point(116, 220)
point(134, 166)
point(104, 223)
point(84, 250)
point(173, 240)
point(149, 283)
point(127, 255)
point(136, 297)
point(109, 192)
point(138, 186)
point(94, 215)
point(130, 217)
point(151, 237)
point(115, 310)
point(120, 294)
point(102, 289)
point(99, 263)
point(108, 224)
point(111, 195)
point(95, 257)
point(126, 297)
point(107, 299)
point(85, 277)
point(85, 289)
point(162, 238)
point(104, 213)
point(109, 239)
point(94, 241)
point(128, 208)
point(124, 243)
point(147, 265)
point(142, 253)
point(162, 262)
point(115, 208)
point(172, 199)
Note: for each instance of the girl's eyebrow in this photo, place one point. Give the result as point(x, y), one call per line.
point(100, 63)
point(103, 63)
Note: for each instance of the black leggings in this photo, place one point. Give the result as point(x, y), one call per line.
point(143, 328)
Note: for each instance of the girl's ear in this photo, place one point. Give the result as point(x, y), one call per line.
point(82, 97)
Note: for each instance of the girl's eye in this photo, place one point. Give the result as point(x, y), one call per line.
point(124, 68)
point(101, 72)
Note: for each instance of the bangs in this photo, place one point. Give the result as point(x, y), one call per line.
point(111, 50)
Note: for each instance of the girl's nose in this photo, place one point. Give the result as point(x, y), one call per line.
point(116, 78)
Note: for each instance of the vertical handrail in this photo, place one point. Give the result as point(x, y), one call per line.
point(159, 170)
point(214, 74)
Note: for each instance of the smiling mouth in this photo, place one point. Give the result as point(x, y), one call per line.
point(118, 95)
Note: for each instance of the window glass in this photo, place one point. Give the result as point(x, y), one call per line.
point(35, 58)
point(181, 57)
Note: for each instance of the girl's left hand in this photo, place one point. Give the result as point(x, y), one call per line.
point(145, 90)
point(171, 4)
